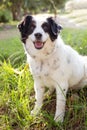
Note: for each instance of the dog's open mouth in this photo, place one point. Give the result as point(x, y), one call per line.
point(39, 44)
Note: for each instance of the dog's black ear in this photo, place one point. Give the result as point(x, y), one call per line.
point(59, 27)
point(23, 27)
point(24, 23)
point(54, 28)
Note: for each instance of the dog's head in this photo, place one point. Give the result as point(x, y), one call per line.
point(38, 32)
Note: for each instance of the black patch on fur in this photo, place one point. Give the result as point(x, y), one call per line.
point(68, 61)
point(41, 66)
point(53, 29)
point(46, 27)
point(26, 27)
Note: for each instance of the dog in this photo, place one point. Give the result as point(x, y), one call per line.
point(53, 64)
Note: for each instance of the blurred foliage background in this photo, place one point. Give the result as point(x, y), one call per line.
point(15, 9)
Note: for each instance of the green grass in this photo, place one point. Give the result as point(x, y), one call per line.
point(12, 49)
point(9, 46)
point(17, 93)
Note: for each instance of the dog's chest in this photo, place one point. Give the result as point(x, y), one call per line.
point(44, 68)
point(40, 68)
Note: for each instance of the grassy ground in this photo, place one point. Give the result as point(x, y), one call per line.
point(11, 47)
point(17, 93)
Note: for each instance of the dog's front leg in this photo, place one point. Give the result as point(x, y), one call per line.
point(61, 91)
point(39, 96)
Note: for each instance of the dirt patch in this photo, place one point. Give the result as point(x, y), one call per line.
point(8, 33)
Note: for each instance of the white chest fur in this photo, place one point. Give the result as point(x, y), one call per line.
point(44, 69)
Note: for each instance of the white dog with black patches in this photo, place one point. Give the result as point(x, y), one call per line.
point(52, 63)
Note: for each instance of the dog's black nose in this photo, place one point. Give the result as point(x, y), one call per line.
point(38, 36)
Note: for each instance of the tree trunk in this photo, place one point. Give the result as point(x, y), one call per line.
point(16, 11)
point(16, 14)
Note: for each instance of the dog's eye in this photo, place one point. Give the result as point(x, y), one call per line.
point(32, 27)
point(45, 26)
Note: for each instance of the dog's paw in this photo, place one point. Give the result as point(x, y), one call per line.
point(59, 118)
point(35, 112)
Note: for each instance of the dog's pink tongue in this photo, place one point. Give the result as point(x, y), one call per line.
point(38, 44)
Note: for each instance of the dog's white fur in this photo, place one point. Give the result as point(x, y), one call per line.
point(56, 66)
